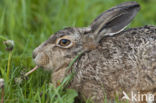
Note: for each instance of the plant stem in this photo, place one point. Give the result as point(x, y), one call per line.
point(70, 75)
point(26, 74)
point(8, 66)
point(2, 95)
point(73, 61)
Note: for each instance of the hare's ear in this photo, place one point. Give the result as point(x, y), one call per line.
point(114, 20)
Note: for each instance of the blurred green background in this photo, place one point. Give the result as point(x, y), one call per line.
point(30, 22)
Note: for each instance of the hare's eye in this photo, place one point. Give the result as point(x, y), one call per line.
point(64, 42)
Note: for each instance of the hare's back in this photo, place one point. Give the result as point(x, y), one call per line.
point(126, 60)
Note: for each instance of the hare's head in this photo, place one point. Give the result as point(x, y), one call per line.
point(64, 45)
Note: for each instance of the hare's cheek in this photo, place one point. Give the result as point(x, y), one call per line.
point(57, 59)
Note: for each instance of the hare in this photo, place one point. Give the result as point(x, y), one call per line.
point(113, 63)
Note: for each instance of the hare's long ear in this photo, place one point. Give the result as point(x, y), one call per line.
point(114, 20)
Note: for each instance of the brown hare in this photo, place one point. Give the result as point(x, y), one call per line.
point(114, 63)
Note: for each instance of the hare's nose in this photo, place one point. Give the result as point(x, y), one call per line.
point(34, 54)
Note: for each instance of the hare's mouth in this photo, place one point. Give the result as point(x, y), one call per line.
point(45, 67)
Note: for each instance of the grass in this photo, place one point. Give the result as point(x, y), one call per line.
point(30, 22)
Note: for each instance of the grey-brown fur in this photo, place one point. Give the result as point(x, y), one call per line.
point(111, 62)
point(125, 62)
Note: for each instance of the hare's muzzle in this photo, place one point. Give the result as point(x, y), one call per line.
point(41, 59)
point(34, 55)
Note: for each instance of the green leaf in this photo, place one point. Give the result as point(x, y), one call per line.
point(69, 96)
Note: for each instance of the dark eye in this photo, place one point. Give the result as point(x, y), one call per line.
point(64, 42)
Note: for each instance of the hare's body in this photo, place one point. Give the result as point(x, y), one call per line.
point(111, 65)
point(125, 62)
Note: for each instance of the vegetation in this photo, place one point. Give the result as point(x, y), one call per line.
point(30, 22)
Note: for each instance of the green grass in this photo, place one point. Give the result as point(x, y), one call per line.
point(30, 22)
